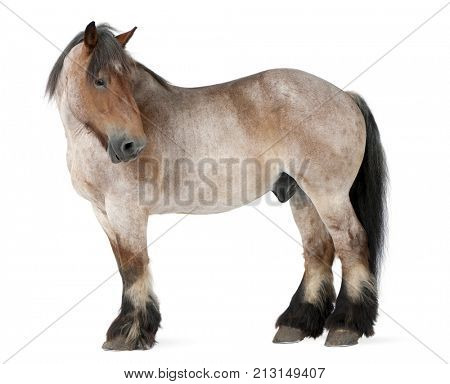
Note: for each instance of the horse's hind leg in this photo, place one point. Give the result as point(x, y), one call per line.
point(138, 321)
point(313, 300)
point(356, 305)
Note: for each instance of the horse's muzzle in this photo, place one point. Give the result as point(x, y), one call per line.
point(124, 148)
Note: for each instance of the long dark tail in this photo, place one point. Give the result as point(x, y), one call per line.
point(368, 193)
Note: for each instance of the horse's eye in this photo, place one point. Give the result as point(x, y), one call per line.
point(100, 83)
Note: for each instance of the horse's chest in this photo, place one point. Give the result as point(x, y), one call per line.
point(88, 177)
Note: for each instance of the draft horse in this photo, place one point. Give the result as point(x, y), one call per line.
point(117, 112)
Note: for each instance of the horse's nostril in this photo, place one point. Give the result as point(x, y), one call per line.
point(123, 148)
point(128, 147)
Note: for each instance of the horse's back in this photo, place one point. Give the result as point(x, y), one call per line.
point(308, 119)
point(298, 110)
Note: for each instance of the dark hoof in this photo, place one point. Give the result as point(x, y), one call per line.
point(116, 344)
point(133, 328)
point(119, 343)
point(286, 335)
point(339, 337)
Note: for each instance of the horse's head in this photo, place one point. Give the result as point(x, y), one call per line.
point(99, 91)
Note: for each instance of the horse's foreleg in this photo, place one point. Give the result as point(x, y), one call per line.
point(138, 321)
point(313, 300)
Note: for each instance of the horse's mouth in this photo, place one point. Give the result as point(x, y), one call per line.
point(113, 155)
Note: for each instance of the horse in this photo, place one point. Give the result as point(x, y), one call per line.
point(138, 145)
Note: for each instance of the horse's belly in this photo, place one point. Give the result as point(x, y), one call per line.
point(198, 203)
point(205, 192)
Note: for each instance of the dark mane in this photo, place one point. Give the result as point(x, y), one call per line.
point(107, 54)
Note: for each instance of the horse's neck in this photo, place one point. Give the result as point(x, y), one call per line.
point(147, 91)
point(158, 104)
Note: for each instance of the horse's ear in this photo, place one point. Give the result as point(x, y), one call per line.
point(123, 38)
point(90, 36)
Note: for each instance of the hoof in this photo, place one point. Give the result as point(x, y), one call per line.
point(116, 344)
point(286, 335)
point(119, 343)
point(340, 337)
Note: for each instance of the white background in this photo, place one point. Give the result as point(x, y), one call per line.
point(222, 280)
